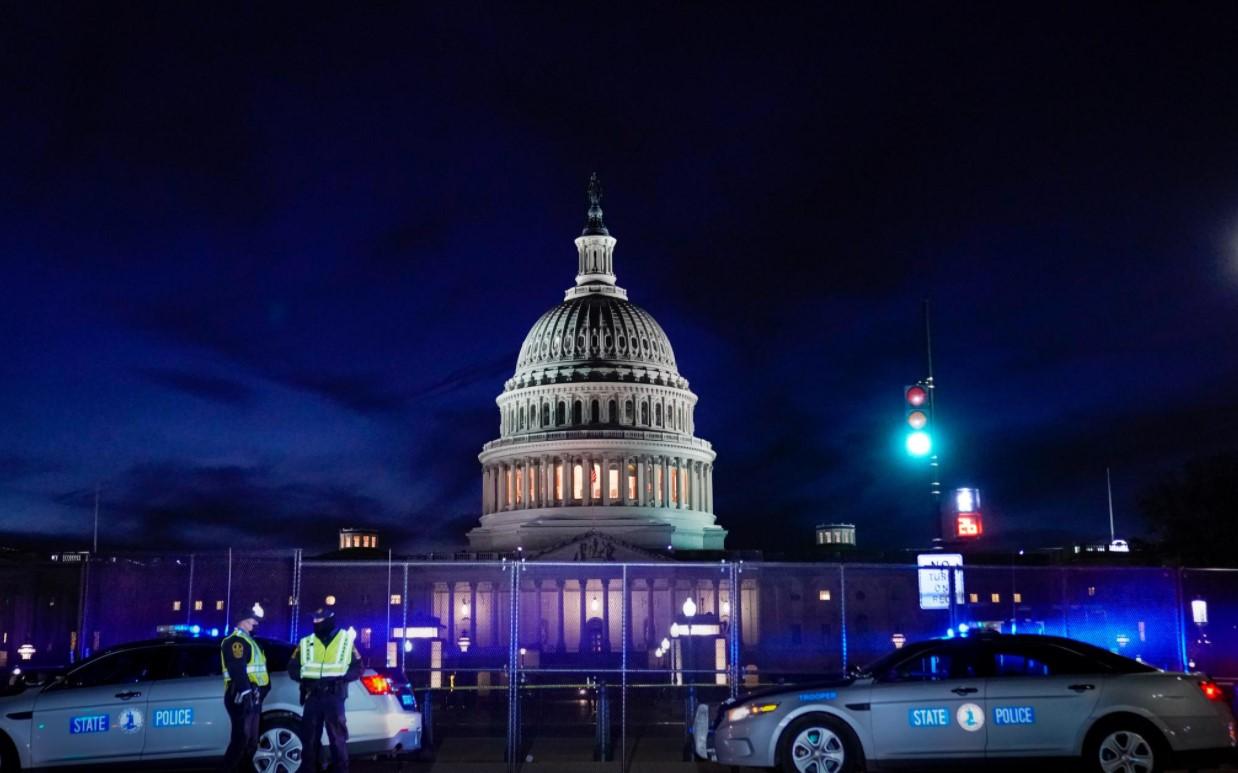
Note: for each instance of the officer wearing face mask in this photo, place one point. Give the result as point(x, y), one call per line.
point(324, 663)
point(246, 683)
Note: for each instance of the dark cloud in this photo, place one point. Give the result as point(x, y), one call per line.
point(213, 388)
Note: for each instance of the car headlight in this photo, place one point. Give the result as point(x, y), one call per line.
point(749, 710)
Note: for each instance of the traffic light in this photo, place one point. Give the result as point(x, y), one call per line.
point(919, 440)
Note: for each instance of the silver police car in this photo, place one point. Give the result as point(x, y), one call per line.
point(162, 700)
point(983, 698)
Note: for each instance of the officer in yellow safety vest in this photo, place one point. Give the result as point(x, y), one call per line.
point(246, 683)
point(324, 663)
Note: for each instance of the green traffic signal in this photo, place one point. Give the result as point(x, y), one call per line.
point(919, 443)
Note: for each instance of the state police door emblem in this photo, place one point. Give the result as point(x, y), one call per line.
point(129, 721)
point(970, 717)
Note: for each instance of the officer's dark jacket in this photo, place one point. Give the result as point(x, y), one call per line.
point(355, 666)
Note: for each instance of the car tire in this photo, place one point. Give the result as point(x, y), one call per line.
point(8, 755)
point(1125, 745)
point(818, 743)
point(280, 746)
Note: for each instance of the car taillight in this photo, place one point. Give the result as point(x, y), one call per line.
point(376, 684)
point(1211, 690)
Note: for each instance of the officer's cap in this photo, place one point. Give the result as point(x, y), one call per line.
point(323, 613)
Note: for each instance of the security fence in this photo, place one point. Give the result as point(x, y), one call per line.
point(583, 661)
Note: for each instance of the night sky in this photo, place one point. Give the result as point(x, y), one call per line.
point(265, 271)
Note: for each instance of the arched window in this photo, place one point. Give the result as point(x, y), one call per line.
point(644, 413)
point(545, 414)
point(658, 414)
point(612, 415)
point(595, 412)
point(521, 425)
point(561, 413)
point(576, 411)
point(627, 412)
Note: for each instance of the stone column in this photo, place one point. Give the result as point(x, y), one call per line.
point(709, 489)
point(640, 480)
point(567, 481)
point(485, 495)
point(548, 476)
point(584, 601)
point(562, 643)
point(495, 639)
point(605, 476)
point(451, 612)
point(537, 600)
point(530, 482)
point(473, 613)
point(682, 483)
point(605, 615)
point(586, 485)
point(666, 481)
point(651, 623)
point(624, 490)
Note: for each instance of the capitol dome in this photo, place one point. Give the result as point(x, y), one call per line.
point(601, 336)
point(596, 426)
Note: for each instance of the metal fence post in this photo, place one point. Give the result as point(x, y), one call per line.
point(189, 598)
point(1180, 616)
point(513, 674)
point(623, 672)
point(842, 612)
point(735, 633)
point(228, 595)
point(296, 595)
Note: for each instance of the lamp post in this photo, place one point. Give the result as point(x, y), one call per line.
point(685, 649)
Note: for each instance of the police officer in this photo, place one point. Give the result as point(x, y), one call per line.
point(324, 663)
point(246, 683)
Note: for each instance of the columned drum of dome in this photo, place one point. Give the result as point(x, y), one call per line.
point(596, 426)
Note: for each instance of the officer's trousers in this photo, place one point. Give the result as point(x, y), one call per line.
point(324, 709)
point(244, 742)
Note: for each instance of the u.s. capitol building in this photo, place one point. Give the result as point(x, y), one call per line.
point(596, 426)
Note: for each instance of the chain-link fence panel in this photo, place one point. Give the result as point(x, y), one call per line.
point(1130, 611)
point(1210, 609)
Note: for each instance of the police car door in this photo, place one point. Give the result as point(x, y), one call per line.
point(931, 704)
point(186, 714)
point(1040, 697)
point(98, 711)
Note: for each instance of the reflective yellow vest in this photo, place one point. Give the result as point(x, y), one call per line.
point(257, 665)
point(329, 662)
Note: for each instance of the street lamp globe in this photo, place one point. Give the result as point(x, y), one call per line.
point(666, 644)
point(689, 607)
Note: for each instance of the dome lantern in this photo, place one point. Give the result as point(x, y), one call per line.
point(595, 248)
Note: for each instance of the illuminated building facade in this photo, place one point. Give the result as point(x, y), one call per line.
point(596, 426)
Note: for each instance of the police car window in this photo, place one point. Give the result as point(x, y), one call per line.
point(196, 661)
point(277, 654)
point(933, 665)
point(123, 667)
point(1038, 660)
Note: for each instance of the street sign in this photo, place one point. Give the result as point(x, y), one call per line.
point(935, 583)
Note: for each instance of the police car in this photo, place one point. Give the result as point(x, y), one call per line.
point(980, 699)
point(162, 700)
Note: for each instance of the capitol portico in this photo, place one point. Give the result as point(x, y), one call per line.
point(596, 426)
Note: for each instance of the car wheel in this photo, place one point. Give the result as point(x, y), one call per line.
point(279, 747)
point(1125, 746)
point(8, 755)
point(818, 743)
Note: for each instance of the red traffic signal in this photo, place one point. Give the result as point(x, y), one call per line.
point(916, 396)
